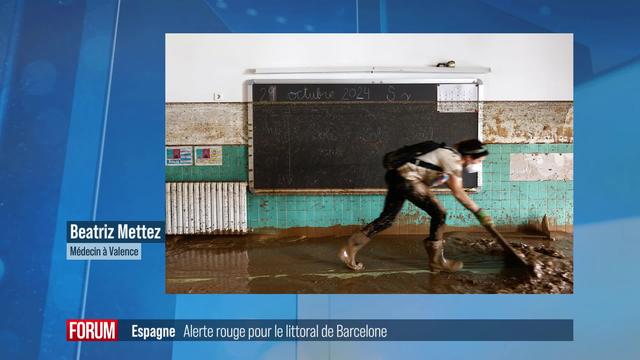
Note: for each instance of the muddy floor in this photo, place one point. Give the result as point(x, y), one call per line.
point(393, 264)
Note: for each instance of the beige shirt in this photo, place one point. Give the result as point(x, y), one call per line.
point(448, 159)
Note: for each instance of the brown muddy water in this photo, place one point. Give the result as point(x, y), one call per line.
point(393, 264)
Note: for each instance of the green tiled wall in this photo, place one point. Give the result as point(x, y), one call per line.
point(233, 168)
point(509, 202)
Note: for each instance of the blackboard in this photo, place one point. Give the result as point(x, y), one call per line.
point(332, 137)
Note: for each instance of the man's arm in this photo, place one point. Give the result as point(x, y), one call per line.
point(455, 184)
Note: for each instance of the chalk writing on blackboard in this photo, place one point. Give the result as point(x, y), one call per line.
point(342, 93)
point(306, 94)
point(267, 93)
point(357, 93)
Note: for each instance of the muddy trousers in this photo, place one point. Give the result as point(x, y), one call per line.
point(399, 190)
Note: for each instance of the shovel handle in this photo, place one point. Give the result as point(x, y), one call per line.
point(510, 251)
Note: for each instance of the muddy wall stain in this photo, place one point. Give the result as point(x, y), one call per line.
point(527, 122)
point(206, 124)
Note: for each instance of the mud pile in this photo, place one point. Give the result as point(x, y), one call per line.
point(551, 261)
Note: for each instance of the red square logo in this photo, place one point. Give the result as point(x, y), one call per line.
point(92, 330)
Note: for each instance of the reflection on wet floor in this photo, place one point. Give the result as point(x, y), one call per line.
point(393, 264)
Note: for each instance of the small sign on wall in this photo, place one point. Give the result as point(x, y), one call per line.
point(178, 156)
point(541, 166)
point(208, 155)
point(457, 98)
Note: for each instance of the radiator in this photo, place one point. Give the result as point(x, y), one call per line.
point(206, 208)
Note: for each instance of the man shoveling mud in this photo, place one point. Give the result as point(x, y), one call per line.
point(411, 178)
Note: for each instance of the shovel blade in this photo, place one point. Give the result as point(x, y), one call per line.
point(511, 255)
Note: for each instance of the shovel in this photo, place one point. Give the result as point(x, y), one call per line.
point(512, 256)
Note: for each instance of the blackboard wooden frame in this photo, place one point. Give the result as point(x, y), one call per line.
point(249, 87)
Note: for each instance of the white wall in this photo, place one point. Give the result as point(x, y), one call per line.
point(524, 67)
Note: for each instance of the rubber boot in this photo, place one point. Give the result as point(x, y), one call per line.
point(437, 261)
point(348, 252)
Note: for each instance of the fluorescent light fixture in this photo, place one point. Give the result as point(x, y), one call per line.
point(375, 70)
